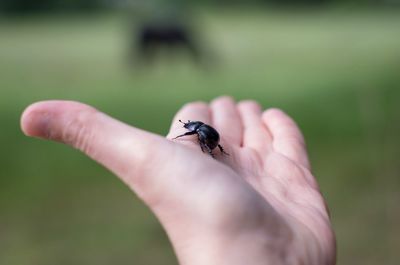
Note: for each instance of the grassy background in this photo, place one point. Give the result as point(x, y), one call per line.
point(336, 72)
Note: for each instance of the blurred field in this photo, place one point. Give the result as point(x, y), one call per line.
point(335, 72)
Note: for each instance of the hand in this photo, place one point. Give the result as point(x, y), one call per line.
point(258, 205)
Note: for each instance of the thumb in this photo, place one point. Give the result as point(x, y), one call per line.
point(119, 147)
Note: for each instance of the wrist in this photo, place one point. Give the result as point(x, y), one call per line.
point(247, 247)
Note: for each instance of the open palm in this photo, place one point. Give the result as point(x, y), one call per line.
point(258, 205)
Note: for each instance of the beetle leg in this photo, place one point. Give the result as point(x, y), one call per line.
point(200, 143)
point(222, 150)
point(209, 150)
point(185, 134)
point(201, 146)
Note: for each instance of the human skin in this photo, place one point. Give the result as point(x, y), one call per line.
point(258, 205)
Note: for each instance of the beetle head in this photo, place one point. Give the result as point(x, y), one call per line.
point(192, 125)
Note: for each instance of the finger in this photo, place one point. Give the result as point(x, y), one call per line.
point(255, 134)
point(226, 120)
point(287, 137)
point(194, 111)
point(121, 148)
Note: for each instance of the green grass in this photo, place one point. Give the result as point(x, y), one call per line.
point(335, 72)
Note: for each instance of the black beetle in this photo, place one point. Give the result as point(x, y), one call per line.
point(208, 137)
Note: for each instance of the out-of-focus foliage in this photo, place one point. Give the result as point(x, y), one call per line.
point(30, 6)
point(40, 6)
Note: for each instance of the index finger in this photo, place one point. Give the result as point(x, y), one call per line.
point(194, 111)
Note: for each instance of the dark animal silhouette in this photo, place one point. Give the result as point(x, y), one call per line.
point(152, 38)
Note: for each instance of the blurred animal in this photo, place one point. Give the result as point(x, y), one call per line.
point(151, 38)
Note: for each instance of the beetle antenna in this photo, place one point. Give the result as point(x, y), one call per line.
point(181, 122)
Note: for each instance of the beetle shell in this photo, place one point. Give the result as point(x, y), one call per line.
point(208, 135)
